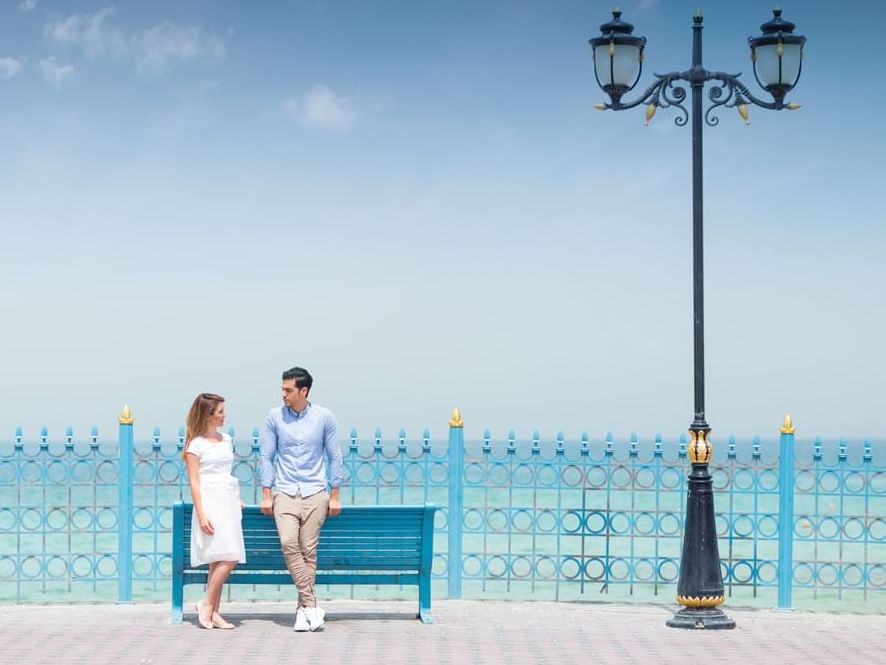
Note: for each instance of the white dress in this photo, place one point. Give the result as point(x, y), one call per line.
point(220, 495)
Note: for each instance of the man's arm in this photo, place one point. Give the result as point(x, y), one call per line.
point(268, 454)
point(333, 456)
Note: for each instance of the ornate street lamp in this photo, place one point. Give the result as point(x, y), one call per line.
point(777, 56)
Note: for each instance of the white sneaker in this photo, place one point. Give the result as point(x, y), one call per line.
point(316, 617)
point(301, 621)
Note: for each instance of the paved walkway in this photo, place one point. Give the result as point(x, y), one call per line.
point(384, 632)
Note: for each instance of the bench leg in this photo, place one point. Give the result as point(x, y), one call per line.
point(424, 599)
point(178, 593)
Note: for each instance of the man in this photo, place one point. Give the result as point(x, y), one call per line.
point(298, 440)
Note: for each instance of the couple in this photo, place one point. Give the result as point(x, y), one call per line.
point(297, 441)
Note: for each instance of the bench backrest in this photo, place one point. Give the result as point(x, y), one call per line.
point(361, 538)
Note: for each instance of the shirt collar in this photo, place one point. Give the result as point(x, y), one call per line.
point(298, 415)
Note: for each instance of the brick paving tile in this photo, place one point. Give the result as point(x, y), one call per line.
point(385, 633)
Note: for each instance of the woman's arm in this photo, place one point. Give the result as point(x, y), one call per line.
point(193, 464)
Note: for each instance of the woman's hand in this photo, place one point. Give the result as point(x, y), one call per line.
point(205, 525)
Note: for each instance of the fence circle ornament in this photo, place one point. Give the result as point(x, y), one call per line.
point(668, 571)
point(546, 521)
point(804, 574)
point(645, 478)
point(30, 472)
point(81, 471)
point(595, 569)
point(767, 572)
point(8, 569)
point(546, 568)
point(854, 483)
point(671, 478)
point(522, 521)
point(570, 568)
point(496, 566)
point(877, 529)
point(521, 567)
point(571, 522)
point(722, 526)
point(768, 481)
point(7, 519)
point(720, 478)
point(56, 519)
point(474, 474)
point(106, 566)
point(595, 522)
point(852, 575)
point(571, 476)
point(876, 576)
point(473, 520)
point(548, 476)
point(472, 566)
point(827, 574)
point(56, 567)
point(621, 477)
point(415, 474)
point(767, 526)
point(644, 570)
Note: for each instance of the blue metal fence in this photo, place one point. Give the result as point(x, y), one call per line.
point(530, 519)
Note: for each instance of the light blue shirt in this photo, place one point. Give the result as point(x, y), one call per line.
point(295, 448)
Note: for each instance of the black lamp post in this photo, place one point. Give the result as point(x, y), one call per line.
point(777, 55)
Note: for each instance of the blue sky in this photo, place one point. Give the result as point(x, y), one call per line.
point(418, 202)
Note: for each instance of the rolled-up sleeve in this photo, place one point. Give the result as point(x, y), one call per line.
point(268, 451)
point(333, 451)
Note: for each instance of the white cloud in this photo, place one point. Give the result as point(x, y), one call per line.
point(151, 48)
point(27, 6)
point(156, 46)
point(9, 67)
point(322, 107)
point(646, 5)
point(54, 72)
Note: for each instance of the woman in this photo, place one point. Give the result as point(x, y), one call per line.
point(216, 533)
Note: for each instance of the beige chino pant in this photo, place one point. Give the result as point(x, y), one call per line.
point(298, 523)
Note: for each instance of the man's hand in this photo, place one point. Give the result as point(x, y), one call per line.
point(334, 506)
point(267, 505)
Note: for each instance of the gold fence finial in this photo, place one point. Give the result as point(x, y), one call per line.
point(456, 419)
point(126, 417)
point(787, 427)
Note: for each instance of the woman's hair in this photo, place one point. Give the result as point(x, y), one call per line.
point(204, 406)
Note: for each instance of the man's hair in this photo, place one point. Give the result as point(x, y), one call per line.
point(301, 376)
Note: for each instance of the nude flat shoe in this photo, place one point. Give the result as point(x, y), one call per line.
point(219, 622)
point(201, 619)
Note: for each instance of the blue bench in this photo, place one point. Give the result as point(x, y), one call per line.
point(362, 545)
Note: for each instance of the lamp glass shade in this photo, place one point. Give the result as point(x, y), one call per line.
point(621, 69)
point(768, 70)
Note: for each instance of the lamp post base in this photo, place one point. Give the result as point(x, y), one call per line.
point(709, 618)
